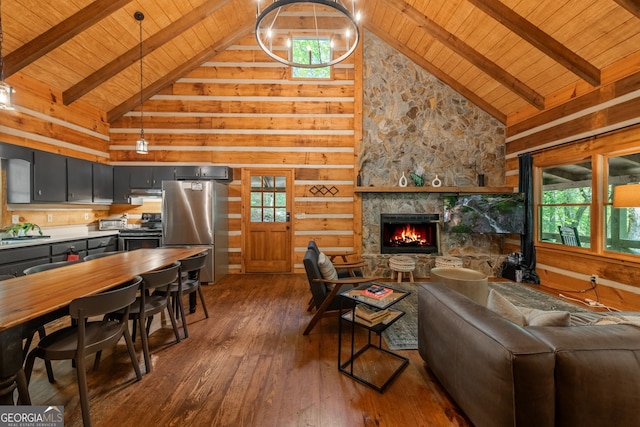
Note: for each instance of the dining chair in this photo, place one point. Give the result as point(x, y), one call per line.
point(153, 299)
point(41, 330)
point(87, 336)
point(188, 284)
point(100, 255)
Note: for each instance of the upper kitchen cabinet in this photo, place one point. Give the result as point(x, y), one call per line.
point(121, 189)
point(145, 177)
point(79, 178)
point(218, 173)
point(102, 183)
point(49, 177)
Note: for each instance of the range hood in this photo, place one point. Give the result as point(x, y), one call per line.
point(146, 192)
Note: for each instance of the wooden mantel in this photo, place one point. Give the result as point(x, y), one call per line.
point(431, 189)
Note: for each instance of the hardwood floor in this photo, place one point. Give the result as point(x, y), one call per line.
point(247, 365)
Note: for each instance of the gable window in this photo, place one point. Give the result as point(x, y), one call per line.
point(622, 225)
point(564, 215)
point(311, 50)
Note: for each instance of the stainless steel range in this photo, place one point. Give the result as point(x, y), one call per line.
point(148, 235)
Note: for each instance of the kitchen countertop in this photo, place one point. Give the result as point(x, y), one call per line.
point(10, 244)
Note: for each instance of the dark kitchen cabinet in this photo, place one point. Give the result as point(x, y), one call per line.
point(102, 183)
point(79, 178)
point(15, 261)
point(121, 188)
point(59, 251)
point(144, 177)
point(219, 173)
point(98, 245)
point(49, 177)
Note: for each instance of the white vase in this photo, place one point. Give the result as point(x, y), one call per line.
point(436, 182)
point(403, 181)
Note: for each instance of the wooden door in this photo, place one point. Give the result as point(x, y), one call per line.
point(266, 206)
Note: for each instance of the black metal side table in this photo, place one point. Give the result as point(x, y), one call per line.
point(369, 372)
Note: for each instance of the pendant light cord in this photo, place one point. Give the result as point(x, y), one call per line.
point(139, 16)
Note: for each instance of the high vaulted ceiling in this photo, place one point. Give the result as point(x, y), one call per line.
point(512, 58)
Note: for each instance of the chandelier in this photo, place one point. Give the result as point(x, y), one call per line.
point(308, 33)
point(6, 91)
point(142, 146)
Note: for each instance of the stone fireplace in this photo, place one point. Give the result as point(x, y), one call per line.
point(480, 252)
point(409, 233)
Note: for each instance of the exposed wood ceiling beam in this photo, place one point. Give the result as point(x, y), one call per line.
point(59, 34)
point(149, 45)
point(541, 40)
point(178, 72)
point(632, 6)
point(420, 61)
point(468, 53)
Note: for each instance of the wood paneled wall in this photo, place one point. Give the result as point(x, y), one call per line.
point(244, 110)
point(602, 120)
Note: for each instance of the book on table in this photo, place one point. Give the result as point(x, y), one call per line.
point(385, 316)
point(370, 316)
point(377, 291)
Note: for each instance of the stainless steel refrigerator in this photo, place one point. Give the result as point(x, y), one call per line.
point(194, 213)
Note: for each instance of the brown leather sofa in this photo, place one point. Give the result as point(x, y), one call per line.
point(502, 374)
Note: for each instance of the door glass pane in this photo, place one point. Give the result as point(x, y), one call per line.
point(268, 182)
point(256, 215)
point(256, 182)
point(281, 214)
point(281, 199)
point(281, 183)
point(268, 199)
point(256, 198)
point(268, 215)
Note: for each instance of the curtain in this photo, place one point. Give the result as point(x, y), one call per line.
point(527, 247)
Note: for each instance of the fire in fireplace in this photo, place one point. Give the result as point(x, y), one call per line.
point(409, 233)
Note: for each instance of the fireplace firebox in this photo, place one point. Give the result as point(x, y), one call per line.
point(409, 233)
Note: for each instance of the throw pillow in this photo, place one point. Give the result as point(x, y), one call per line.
point(326, 267)
point(502, 306)
point(535, 317)
point(617, 320)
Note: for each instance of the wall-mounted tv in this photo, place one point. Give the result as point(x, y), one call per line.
point(484, 213)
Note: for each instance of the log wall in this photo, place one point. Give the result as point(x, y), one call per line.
point(243, 110)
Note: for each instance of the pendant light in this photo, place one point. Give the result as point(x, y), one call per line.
point(6, 91)
point(142, 146)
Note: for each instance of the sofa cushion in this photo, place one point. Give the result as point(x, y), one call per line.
point(505, 308)
point(326, 267)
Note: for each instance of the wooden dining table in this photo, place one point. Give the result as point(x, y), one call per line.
point(27, 302)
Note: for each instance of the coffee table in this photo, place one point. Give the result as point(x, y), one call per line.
point(388, 364)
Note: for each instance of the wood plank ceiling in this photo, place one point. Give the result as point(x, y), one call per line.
point(512, 58)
